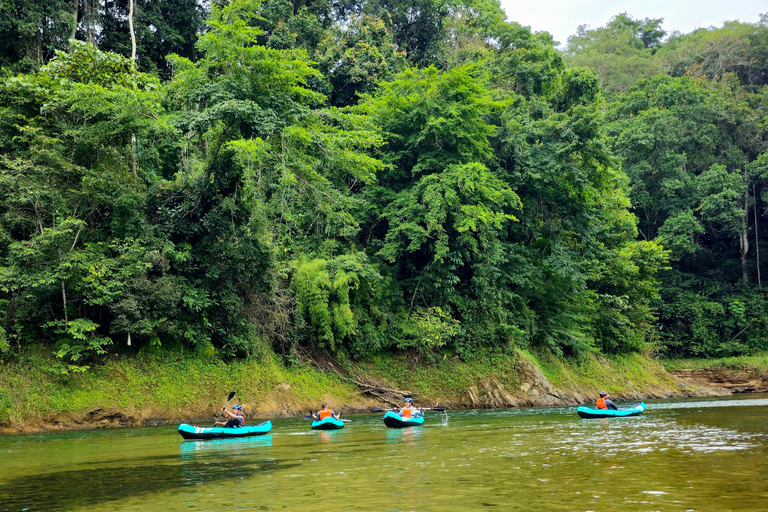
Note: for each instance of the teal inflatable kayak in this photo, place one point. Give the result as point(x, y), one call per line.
point(394, 420)
point(329, 423)
point(192, 432)
point(589, 412)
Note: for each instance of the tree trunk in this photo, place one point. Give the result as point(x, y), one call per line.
point(88, 17)
point(133, 60)
point(757, 240)
point(133, 155)
point(133, 34)
point(75, 5)
point(744, 236)
point(39, 46)
point(64, 301)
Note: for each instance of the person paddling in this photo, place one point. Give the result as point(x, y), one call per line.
point(325, 412)
point(605, 403)
point(236, 418)
point(409, 411)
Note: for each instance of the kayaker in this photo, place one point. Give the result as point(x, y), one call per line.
point(604, 403)
point(236, 419)
point(409, 411)
point(325, 412)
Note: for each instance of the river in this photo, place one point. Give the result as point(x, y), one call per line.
point(681, 455)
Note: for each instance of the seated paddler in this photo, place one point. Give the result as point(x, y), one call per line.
point(409, 411)
point(325, 412)
point(605, 403)
point(236, 418)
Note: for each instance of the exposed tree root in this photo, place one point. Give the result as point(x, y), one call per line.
point(354, 375)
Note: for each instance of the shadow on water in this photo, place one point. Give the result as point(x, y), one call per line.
point(66, 490)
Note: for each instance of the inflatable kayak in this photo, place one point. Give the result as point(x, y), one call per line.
point(192, 432)
point(394, 420)
point(329, 423)
point(589, 412)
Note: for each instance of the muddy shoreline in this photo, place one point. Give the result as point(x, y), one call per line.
point(534, 391)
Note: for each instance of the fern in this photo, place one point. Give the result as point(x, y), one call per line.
point(335, 297)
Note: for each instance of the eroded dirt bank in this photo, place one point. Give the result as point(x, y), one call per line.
point(725, 381)
point(529, 387)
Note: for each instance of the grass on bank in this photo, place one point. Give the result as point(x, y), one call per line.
point(163, 381)
point(169, 382)
point(758, 362)
point(449, 378)
point(616, 374)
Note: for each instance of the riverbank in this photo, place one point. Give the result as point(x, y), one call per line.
point(747, 374)
point(167, 388)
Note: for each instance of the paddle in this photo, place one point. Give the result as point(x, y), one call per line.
point(231, 395)
point(438, 408)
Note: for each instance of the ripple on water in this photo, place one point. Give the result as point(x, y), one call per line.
point(644, 436)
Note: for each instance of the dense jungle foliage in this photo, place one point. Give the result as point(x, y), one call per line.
point(687, 117)
point(356, 177)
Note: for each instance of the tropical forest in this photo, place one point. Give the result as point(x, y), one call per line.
point(338, 187)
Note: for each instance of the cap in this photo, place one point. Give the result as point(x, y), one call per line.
point(238, 407)
point(603, 393)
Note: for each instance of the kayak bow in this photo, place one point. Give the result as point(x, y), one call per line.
point(329, 423)
point(394, 420)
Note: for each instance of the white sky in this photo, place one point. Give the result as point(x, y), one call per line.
point(561, 17)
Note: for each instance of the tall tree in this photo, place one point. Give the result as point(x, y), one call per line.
point(687, 146)
point(32, 30)
point(622, 52)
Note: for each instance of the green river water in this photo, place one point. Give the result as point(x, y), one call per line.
point(681, 455)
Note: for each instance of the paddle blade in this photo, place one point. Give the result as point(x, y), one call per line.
point(377, 409)
point(231, 396)
point(438, 408)
point(308, 418)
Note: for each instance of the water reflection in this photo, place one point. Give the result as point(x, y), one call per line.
point(326, 436)
point(406, 436)
point(191, 447)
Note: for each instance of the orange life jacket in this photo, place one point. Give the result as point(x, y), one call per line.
point(601, 403)
point(325, 414)
point(406, 413)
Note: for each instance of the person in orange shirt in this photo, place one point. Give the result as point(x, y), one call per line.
point(604, 403)
point(409, 411)
point(325, 412)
